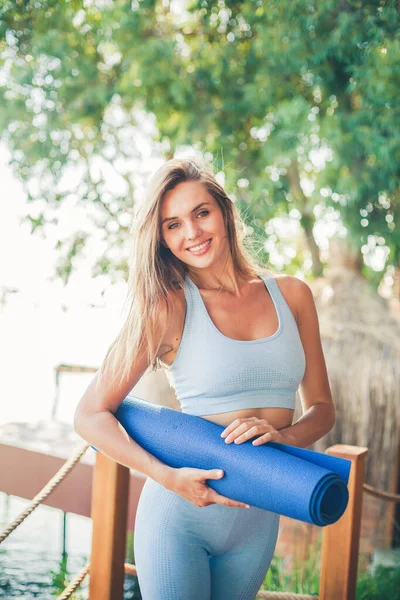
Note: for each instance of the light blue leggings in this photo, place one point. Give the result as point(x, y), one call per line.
point(186, 552)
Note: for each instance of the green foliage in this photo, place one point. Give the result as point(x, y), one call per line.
point(305, 576)
point(383, 584)
point(61, 577)
point(276, 93)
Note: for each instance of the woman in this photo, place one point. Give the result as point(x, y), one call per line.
point(236, 342)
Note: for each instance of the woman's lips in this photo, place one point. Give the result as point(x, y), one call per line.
point(202, 250)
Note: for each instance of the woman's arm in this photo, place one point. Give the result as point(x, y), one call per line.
point(315, 394)
point(94, 419)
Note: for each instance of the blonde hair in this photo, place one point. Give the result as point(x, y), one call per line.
point(154, 271)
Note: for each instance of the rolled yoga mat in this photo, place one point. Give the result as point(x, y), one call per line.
point(295, 482)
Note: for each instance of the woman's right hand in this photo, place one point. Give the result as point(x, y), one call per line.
point(189, 483)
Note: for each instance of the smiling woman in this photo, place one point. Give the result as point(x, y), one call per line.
point(228, 333)
point(199, 231)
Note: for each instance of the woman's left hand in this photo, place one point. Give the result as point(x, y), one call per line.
point(244, 429)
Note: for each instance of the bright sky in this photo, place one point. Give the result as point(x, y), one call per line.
point(36, 333)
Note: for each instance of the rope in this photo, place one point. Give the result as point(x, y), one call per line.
point(46, 491)
point(74, 584)
point(130, 569)
point(380, 494)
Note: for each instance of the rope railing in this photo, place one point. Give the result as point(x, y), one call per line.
point(131, 568)
point(69, 590)
point(46, 491)
point(381, 494)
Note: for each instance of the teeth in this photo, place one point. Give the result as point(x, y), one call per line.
point(196, 248)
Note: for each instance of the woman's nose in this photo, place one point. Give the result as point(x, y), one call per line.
point(193, 230)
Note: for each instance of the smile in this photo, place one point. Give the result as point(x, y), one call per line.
point(200, 247)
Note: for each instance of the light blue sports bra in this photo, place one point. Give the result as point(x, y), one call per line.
point(213, 373)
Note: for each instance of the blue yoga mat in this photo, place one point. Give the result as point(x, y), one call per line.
point(298, 483)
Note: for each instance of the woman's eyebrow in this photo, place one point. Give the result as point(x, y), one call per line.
point(195, 208)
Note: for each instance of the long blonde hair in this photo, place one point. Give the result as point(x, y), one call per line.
point(154, 271)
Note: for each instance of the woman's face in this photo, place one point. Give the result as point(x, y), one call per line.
point(191, 216)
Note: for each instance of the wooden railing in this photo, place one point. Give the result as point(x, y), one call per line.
point(340, 542)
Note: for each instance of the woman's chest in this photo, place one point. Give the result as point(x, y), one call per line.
point(252, 320)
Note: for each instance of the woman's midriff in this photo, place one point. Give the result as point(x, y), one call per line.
point(279, 418)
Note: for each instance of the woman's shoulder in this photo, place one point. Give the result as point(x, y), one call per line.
point(288, 282)
point(291, 283)
point(293, 290)
point(165, 305)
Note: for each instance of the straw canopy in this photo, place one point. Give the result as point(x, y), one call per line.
point(361, 344)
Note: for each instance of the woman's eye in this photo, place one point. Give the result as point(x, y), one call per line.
point(200, 213)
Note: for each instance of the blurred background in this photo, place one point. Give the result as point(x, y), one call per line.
point(296, 105)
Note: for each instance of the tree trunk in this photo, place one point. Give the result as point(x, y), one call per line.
point(307, 216)
point(344, 253)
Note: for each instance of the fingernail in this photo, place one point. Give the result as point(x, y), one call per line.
point(248, 506)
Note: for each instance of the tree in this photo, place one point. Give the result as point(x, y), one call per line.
point(295, 101)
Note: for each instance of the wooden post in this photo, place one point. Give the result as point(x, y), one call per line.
point(340, 541)
point(109, 515)
point(391, 535)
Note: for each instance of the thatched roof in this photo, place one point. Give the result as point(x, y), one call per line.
point(361, 343)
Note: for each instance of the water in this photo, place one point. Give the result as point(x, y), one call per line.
point(31, 560)
point(31, 557)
